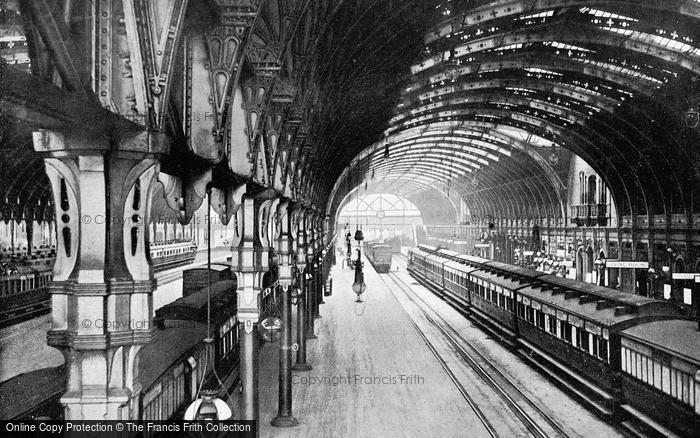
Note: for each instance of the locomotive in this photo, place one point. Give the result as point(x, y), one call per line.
point(379, 255)
point(631, 358)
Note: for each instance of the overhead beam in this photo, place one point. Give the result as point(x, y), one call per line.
point(40, 104)
point(53, 38)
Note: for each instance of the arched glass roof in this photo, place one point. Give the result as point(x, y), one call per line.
point(506, 93)
point(385, 204)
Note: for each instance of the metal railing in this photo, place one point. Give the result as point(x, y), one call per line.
point(589, 214)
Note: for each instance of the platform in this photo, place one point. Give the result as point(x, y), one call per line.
point(379, 343)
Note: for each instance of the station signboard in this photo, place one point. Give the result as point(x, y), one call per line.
point(685, 276)
point(628, 264)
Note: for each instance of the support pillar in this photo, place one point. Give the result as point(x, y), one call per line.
point(311, 297)
point(301, 364)
point(284, 416)
point(318, 289)
point(101, 293)
point(311, 281)
point(250, 261)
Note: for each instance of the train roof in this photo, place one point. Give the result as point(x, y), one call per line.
point(166, 347)
point(448, 253)
point(472, 259)
point(593, 304)
point(24, 392)
point(460, 267)
point(516, 270)
point(172, 244)
point(380, 245)
point(219, 267)
point(498, 279)
point(679, 337)
point(435, 258)
point(194, 306)
point(427, 248)
point(624, 298)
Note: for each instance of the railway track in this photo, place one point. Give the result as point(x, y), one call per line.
point(537, 422)
point(24, 313)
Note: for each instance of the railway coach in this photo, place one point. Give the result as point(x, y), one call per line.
point(379, 255)
point(579, 334)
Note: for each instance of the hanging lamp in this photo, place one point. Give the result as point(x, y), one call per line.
point(207, 405)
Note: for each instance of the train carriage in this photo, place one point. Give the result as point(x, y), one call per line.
point(168, 255)
point(589, 339)
point(223, 313)
point(169, 367)
point(455, 281)
point(492, 298)
point(179, 347)
point(194, 279)
point(379, 255)
point(24, 294)
point(571, 327)
point(660, 377)
point(24, 278)
point(434, 269)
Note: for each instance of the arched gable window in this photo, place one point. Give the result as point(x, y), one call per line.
point(592, 185)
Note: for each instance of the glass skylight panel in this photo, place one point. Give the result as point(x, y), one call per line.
point(510, 47)
point(421, 151)
point(562, 46)
point(538, 70)
point(538, 15)
point(658, 40)
point(488, 116)
point(620, 69)
point(520, 90)
point(605, 14)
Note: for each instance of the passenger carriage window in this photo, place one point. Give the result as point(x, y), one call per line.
point(638, 364)
point(649, 363)
point(541, 320)
point(603, 350)
point(583, 340)
point(691, 391)
point(567, 331)
point(657, 374)
point(631, 367)
point(665, 379)
point(674, 379)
